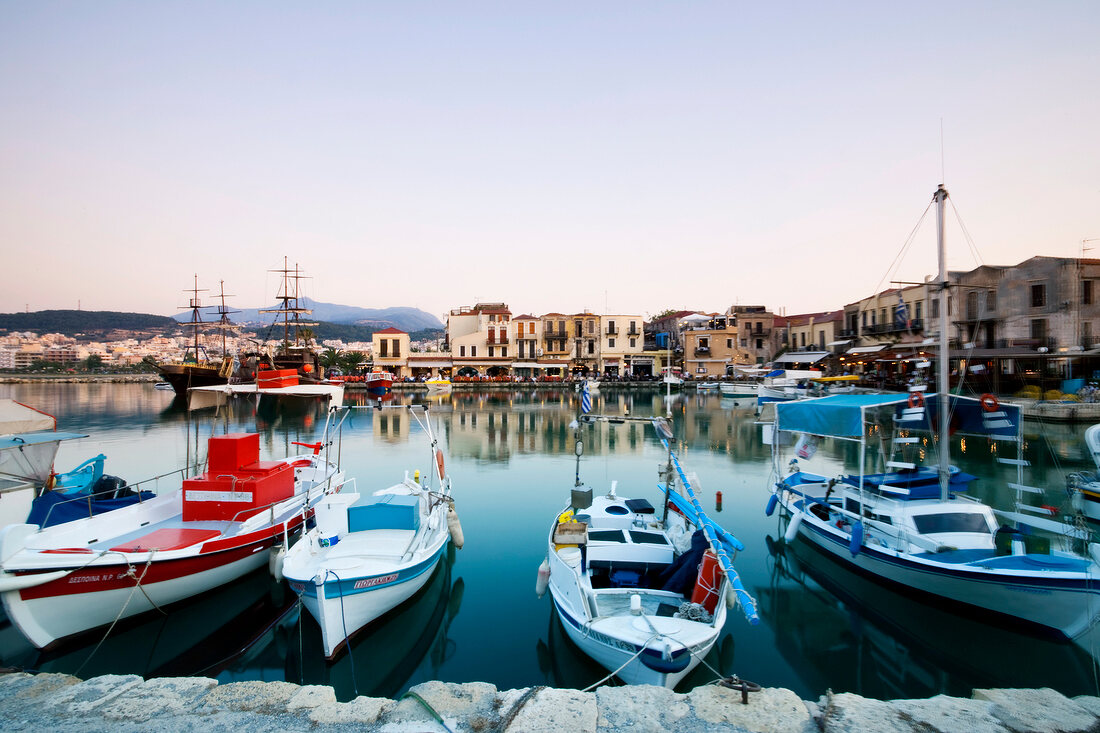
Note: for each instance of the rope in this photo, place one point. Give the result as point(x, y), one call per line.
point(428, 707)
point(121, 611)
point(344, 624)
point(621, 668)
point(506, 722)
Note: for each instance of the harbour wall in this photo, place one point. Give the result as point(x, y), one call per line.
point(129, 704)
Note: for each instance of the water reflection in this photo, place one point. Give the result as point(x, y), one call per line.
point(847, 633)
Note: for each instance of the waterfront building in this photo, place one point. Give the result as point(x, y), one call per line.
point(479, 339)
point(622, 342)
point(713, 347)
point(390, 348)
point(757, 332)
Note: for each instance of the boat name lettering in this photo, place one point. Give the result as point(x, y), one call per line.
point(370, 582)
point(609, 641)
point(85, 578)
point(244, 496)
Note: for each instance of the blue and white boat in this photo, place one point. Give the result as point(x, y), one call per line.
point(644, 592)
point(783, 385)
point(368, 554)
point(915, 528)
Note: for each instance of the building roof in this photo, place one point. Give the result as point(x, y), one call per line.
point(391, 329)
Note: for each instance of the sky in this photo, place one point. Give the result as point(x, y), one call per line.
point(623, 157)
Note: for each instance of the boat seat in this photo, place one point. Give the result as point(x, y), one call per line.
point(639, 506)
point(173, 538)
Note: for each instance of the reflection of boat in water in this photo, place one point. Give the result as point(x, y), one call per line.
point(201, 636)
point(406, 646)
point(848, 633)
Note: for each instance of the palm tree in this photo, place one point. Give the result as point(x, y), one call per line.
point(306, 334)
point(350, 360)
point(329, 358)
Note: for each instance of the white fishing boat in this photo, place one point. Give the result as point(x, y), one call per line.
point(439, 385)
point(370, 553)
point(708, 386)
point(783, 385)
point(915, 528)
point(59, 581)
point(1084, 486)
point(642, 592)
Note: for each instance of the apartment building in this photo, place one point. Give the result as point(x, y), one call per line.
point(712, 346)
point(622, 343)
point(480, 340)
point(390, 348)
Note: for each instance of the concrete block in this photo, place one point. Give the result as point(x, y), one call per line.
point(166, 697)
point(640, 708)
point(773, 709)
point(360, 711)
point(252, 696)
point(551, 711)
point(83, 698)
point(949, 713)
point(1038, 711)
point(311, 696)
point(470, 704)
point(23, 695)
point(848, 713)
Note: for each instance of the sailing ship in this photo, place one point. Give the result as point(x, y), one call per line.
point(197, 369)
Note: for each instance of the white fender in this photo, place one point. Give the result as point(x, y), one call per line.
point(454, 526)
point(543, 579)
point(792, 528)
point(1094, 552)
point(275, 562)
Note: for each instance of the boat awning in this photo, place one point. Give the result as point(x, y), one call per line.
point(29, 457)
point(842, 342)
point(866, 349)
point(800, 357)
point(432, 363)
point(15, 417)
point(844, 378)
point(842, 416)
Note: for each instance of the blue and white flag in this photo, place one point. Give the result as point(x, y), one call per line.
point(901, 314)
point(586, 399)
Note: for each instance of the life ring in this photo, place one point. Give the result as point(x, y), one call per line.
point(989, 402)
point(916, 399)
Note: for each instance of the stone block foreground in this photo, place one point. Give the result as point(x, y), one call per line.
point(63, 703)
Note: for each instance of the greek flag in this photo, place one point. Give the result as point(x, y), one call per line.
point(901, 314)
point(586, 399)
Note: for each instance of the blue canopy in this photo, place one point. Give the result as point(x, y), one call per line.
point(9, 442)
point(841, 416)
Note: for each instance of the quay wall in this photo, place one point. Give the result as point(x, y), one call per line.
point(129, 704)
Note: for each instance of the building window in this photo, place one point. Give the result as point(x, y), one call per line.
point(1086, 292)
point(864, 319)
point(473, 351)
point(936, 308)
point(821, 338)
point(504, 351)
point(917, 308)
point(591, 327)
point(519, 330)
point(578, 328)
point(611, 343)
point(462, 351)
point(490, 351)
point(972, 305)
point(1039, 330)
point(803, 335)
point(591, 346)
point(1038, 295)
point(990, 301)
point(385, 344)
point(633, 343)
point(759, 344)
point(729, 343)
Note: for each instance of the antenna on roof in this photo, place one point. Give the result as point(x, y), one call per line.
point(943, 175)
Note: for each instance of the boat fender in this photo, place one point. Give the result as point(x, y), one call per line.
point(792, 527)
point(543, 579)
point(454, 526)
point(773, 501)
point(1094, 552)
point(857, 538)
point(707, 583)
point(439, 463)
point(275, 562)
point(731, 598)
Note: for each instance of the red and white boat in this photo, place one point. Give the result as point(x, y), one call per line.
point(378, 381)
point(85, 574)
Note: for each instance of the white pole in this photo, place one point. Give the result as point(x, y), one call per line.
point(943, 391)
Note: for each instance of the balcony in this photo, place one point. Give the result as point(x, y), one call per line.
point(633, 332)
point(612, 331)
point(702, 351)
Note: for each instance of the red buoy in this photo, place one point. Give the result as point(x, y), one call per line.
point(718, 500)
point(708, 582)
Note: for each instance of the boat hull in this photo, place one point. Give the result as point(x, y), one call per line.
point(184, 376)
point(345, 605)
point(1051, 601)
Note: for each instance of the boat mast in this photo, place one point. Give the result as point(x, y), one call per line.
point(196, 321)
point(943, 387)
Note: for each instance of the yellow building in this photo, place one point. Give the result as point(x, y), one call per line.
point(480, 340)
point(390, 348)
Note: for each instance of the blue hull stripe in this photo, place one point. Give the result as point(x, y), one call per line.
point(346, 586)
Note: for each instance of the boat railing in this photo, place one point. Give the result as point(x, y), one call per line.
point(306, 497)
point(899, 534)
point(134, 488)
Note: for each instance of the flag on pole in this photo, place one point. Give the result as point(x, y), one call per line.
point(901, 314)
point(586, 399)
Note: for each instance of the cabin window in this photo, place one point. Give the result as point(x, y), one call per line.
point(954, 522)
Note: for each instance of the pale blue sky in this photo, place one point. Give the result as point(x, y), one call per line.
point(619, 156)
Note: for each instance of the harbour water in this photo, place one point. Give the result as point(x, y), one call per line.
point(510, 454)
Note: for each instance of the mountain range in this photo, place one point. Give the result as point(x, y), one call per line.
point(403, 318)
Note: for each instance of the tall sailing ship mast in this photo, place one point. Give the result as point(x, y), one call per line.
point(297, 353)
point(200, 371)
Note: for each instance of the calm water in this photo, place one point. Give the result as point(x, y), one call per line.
point(511, 458)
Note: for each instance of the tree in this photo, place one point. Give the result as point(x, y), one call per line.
point(93, 362)
point(350, 360)
point(306, 334)
point(329, 358)
point(664, 314)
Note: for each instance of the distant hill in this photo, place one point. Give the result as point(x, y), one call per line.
point(375, 319)
point(74, 323)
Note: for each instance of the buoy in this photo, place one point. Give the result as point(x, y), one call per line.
point(731, 598)
point(707, 582)
point(275, 562)
point(439, 463)
point(718, 501)
point(773, 501)
point(856, 542)
point(792, 528)
point(543, 579)
point(454, 526)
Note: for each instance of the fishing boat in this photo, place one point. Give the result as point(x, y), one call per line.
point(439, 385)
point(914, 527)
point(379, 381)
point(29, 442)
point(369, 553)
point(1084, 486)
point(708, 386)
point(642, 591)
point(60, 581)
point(783, 385)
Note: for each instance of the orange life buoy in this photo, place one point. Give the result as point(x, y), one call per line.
point(708, 582)
point(989, 402)
point(916, 399)
point(439, 462)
